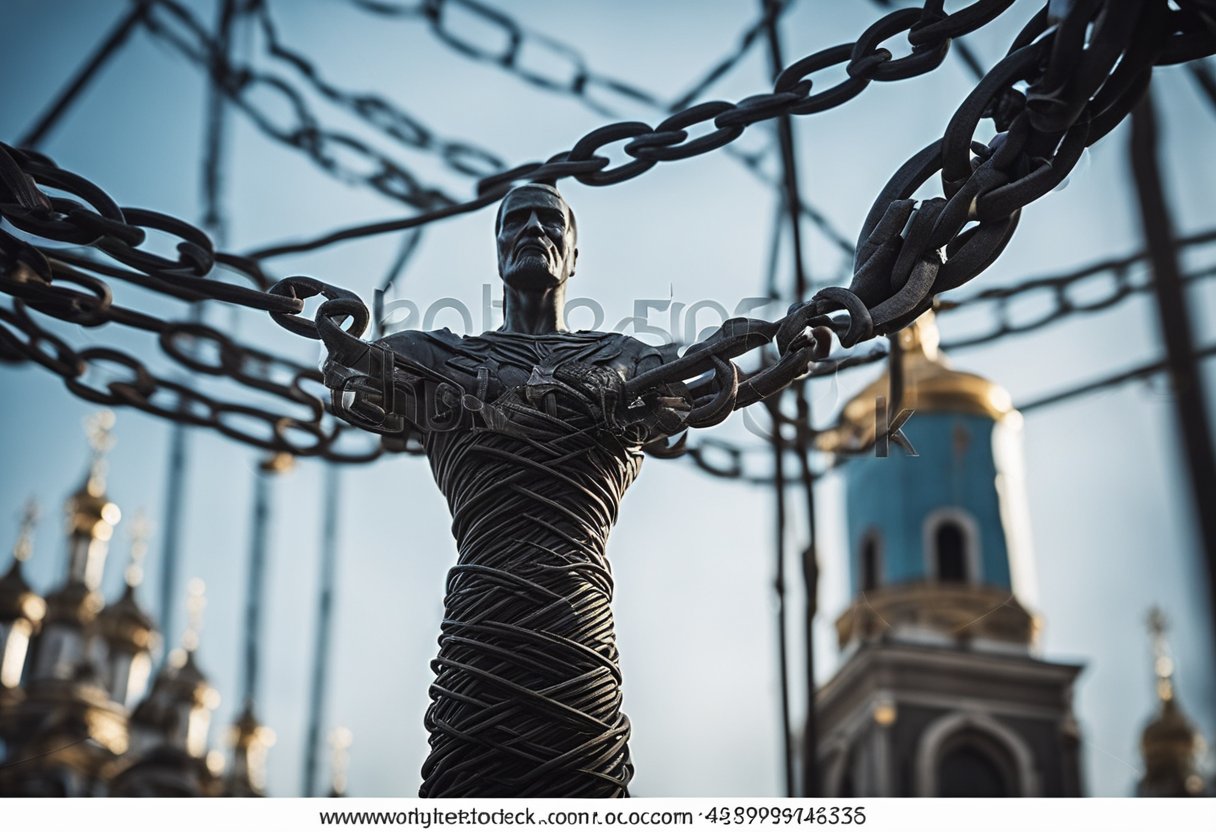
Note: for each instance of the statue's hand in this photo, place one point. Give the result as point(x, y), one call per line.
point(661, 410)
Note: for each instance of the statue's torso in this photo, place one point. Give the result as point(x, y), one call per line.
point(527, 668)
point(505, 413)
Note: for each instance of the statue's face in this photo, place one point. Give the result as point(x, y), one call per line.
point(535, 240)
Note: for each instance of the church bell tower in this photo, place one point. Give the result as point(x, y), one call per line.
point(940, 692)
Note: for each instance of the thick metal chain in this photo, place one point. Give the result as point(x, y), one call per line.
point(1088, 290)
point(1076, 91)
point(711, 125)
point(340, 154)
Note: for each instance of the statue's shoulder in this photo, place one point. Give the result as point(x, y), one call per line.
point(643, 353)
point(428, 348)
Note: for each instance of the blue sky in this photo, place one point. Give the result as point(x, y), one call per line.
point(1112, 526)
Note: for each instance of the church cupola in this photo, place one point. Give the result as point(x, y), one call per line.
point(938, 693)
point(177, 711)
point(91, 515)
point(169, 727)
point(125, 631)
point(1170, 744)
point(251, 742)
point(937, 525)
point(21, 609)
point(72, 609)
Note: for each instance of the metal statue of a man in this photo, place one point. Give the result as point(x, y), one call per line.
point(533, 433)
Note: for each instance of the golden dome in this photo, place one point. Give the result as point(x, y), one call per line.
point(17, 597)
point(90, 512)
point(930, 386)
point(125, 623)
point(1170, 744)
point(74, 602)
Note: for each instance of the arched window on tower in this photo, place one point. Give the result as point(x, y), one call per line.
point(973, 764)
point(951, 552)
point(951, 547)
point(871, 560)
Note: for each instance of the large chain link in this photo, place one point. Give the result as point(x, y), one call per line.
point(1077, 88)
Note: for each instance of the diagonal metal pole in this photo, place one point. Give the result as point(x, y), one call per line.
point(787, 750)
point(259, 552)
point(213, 223)
point(87, 72)
point(1190, 403)
point(810, 568)
point(325, 605)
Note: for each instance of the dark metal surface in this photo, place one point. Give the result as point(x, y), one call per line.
point(791, 201)
point(1186, 381)
point(324, 633)
point(255, 585)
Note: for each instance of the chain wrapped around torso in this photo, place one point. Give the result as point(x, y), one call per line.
point(527, 695)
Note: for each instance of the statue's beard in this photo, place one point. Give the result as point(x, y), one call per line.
point(531, 270)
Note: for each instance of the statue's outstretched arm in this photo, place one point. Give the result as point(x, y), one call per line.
point(803, 337)
point(373, 384)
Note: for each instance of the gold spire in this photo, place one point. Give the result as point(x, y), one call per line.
point(21, 609)
point(126, 627)
point(251, 742)
point(17, 599)
point(24, 546)
point(91, 515)
point(178, 710)
point(930, 385)
point(141, 530)
point(99, 428)
point(340, 740)
point(196, 603)
point(1170, 744)
point(1163, 664)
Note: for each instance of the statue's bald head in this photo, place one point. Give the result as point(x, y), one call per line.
point(536, 236)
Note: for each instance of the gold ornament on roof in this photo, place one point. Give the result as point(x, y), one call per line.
point(196, 602)
point(1163, 663)
point(930, 385)
point(141, 531)
point(1170, 744)
point(24, 546)
point(90, 512)
point(99, 428)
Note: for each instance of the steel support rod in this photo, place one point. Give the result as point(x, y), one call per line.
point(170, 550)
point(810, 578)
point(255, 593)
point(87, 72)
point(325, 604)
point(810, 568)
point(1190, 403)
point(779, 587)
point(179, 452)
point(213, 145)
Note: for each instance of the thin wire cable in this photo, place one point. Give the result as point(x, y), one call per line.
point(88, 71)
